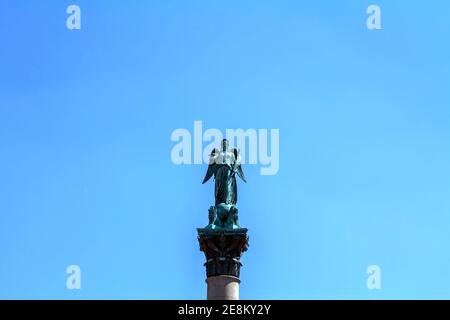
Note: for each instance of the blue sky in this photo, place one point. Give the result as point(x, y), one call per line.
point(86, 176)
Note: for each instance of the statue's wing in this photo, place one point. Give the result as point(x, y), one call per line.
point(239, 168)
point(241, 173)
point(212, 167)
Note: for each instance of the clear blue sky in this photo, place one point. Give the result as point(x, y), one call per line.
point(86, 117)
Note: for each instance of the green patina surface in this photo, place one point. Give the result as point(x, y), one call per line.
point(224, 165)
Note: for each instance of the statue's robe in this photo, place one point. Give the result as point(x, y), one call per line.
point(225, 185)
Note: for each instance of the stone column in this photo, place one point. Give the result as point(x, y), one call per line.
point(223, 288)
point(223, 250)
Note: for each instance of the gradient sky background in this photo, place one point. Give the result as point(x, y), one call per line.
point(86, 116)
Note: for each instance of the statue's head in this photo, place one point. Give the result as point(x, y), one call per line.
point(225, 144)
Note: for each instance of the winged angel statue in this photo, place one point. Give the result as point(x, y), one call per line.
point(224, 165)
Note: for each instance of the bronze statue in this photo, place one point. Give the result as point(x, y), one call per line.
point(224, 165)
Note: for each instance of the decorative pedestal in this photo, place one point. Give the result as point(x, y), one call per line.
point(223, 250)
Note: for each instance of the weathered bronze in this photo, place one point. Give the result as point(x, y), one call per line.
point(224, 165)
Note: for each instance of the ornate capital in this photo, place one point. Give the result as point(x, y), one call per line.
point(223, 250)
